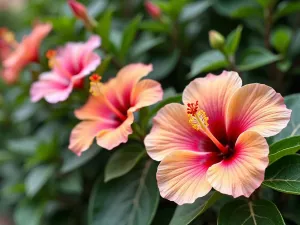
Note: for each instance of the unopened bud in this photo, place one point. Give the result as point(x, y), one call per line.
point(153, 10)
point(80, 11)
point(216, 39)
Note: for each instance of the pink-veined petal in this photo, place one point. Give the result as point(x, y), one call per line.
point(181, 175)
point(244, 171)
point(213, 93)
point(83, 134)
point(145, 93)
point(256, 107)
point(171, 131)
point(111, 138)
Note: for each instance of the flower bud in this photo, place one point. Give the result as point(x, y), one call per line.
point(80, 11)
point(153, 10)
point(216, 39)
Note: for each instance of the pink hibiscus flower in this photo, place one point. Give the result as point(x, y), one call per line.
point(216, 139)
point(70, 65)
point(108, 114)
point(24, 53)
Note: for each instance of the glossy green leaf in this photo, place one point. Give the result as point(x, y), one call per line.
point(23, 146)
point(284, 147)
point(233, 40)
point(266, 3)
point(208, 61)
point(37, 178)
point(283, 175)
point(256, 57)
point(185, 214)
point(293, 128)
point(127, 156)
point(71, 183)
point(285, 8)
point(104, 28)
point(144, 44)
point(163, 65)
point(294, 49)
point(129, 35)
point(193, 10)
point(281, 39)
point(258, 212)
point(238, 8)
point(154, 26)
point(30, 212)
point(104, 65)
point(129, 200)
point(6, 156)
point(74, 162)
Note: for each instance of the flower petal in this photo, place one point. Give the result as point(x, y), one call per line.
point(111, 138)
point(171, 131)
point(244, 171)
point(213, 93)
point(83, 134)
point(259, 108)
point(145, 93)
point(52, 87)
point(181, 176)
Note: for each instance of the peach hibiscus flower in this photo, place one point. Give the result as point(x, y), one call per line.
point(108, 114)
point(70, 65)
point(24, 53)
point(216, 139)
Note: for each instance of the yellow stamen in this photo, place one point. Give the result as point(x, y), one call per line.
point(96, 89)
point(199, 121)
point(8, 37)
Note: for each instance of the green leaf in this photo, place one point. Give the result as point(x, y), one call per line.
point(123, 161)
point(104, 65)
point(37, 178)
point(154, 26)
point(286, 8)
point(283, 175)
point(23, 146)
point(187, 213)
point(129, 200)
point(284, 147)
point(193, 10)
point(129, 35)
point(294, 49)
point(293, 128)
point(258, 212)
point(104, 28)
point(163, 65)
point(6, 156)
point(74, 162)
point(144, 44)
point(71, 184)
point(266, 3)
point(30, 212)
point(207, 61)
point(233, 40)
point(238, 8)
point(256, 57)
point(281, 39)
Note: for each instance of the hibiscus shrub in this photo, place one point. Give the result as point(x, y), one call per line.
point(149, 112)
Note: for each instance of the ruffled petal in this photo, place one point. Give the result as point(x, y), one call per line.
point(181, 176)
point(259, 108)
point(52, 87)
point(171, 131)
point(213, 94)
point(83, 134)
point(244, 171)
point(111, 138)
point(145, 93)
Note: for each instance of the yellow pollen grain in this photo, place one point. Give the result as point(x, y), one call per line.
point(199, 121)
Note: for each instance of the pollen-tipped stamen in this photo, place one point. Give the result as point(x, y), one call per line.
point(96, 89)
point(199, 121)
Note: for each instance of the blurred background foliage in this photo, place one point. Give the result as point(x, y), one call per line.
point(43, 183)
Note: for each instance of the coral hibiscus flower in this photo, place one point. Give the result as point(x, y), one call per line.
point(70, 65)
point(216, 139)
point(108, 114)
point(24, 53)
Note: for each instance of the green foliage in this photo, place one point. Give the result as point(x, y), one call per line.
point(258, 212)
point(44, 183)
